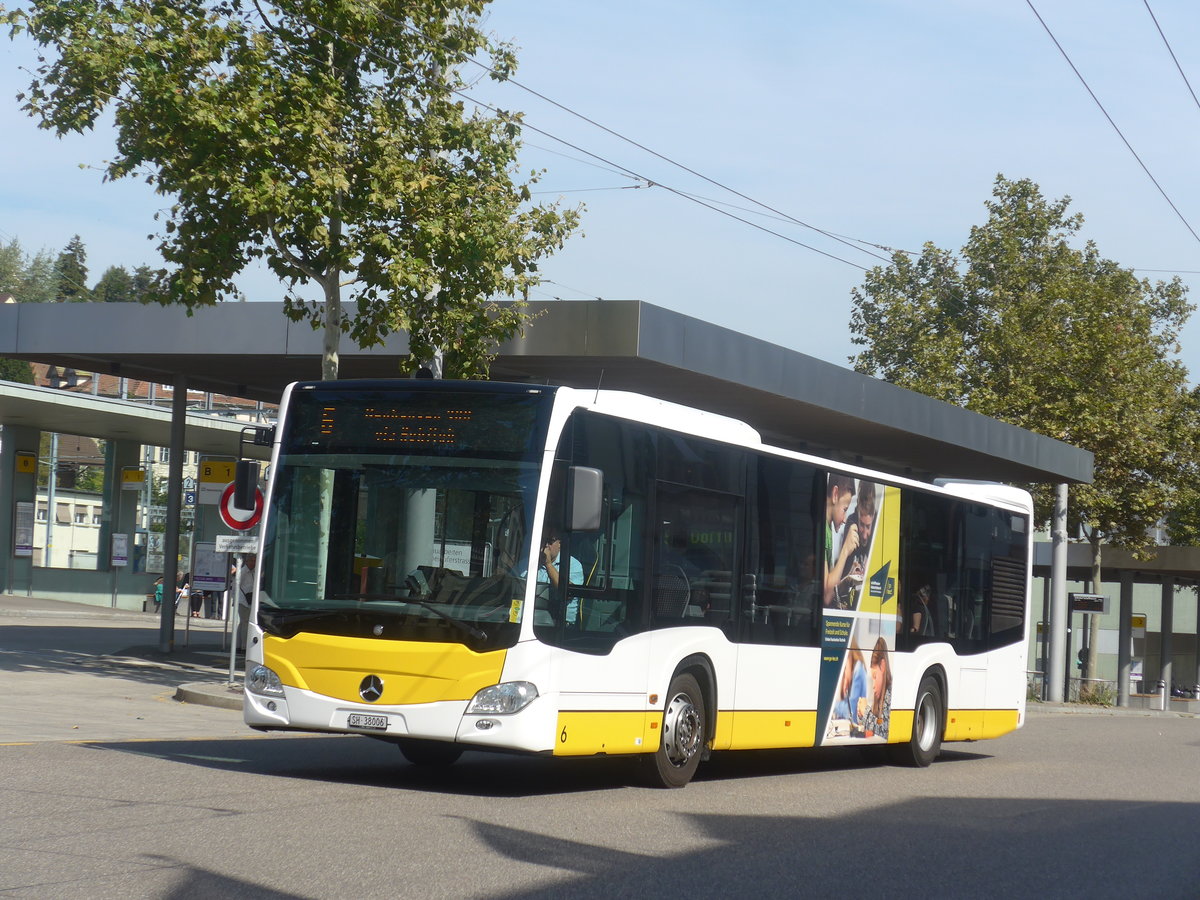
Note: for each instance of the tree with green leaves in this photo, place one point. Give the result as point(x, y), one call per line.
point(114, 286)
point(30, 279)
point(144, 283)
point(27, 280)
point(327, 139)
point(16, 370)
point(1024, 326)
point(70, 272)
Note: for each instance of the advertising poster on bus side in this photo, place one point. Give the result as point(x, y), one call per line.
point(858, 622)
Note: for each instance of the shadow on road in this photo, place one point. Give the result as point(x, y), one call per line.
point(127, 653)
point(928, 847)
point(351, 759)
point(959, 847)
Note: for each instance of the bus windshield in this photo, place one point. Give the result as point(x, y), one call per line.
point(403, 515)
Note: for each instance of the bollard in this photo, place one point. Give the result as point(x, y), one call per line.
point(1162, 694)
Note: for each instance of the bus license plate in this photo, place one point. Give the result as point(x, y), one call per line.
point(371, 723)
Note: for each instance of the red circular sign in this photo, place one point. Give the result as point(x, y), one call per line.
point(240, 519)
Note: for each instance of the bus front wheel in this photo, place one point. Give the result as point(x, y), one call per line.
point(429, 753)
point(928, 715)
point(682, 736)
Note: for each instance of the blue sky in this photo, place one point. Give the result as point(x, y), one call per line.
point(883, 121)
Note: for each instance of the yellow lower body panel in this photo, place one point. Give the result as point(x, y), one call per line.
point(979, 724)
point(588, 733)
point(900, 726)
point(999, 721)
point(765, 729)
point(411, 671)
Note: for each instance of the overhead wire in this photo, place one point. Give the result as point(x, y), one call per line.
point(1120, 134)
point(625, 169)
point(615, 187)
point(569, 288)
point(1174, 58)
point(509, 80)
point(573, 158)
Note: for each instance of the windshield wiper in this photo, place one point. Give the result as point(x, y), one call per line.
point(280, 618)
point(465, 627)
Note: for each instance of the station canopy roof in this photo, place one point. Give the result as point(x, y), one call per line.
point(105, 417)
point(252, 350)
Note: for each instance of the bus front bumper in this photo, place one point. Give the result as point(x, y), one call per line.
point(529, 730)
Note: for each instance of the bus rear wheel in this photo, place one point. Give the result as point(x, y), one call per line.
point(429, 753)
point(682, 736)
point(928, 715)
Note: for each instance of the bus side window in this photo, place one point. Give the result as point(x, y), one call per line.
point(695, 556)
point(781, 601)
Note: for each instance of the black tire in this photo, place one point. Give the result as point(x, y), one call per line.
point(429, 753)
point(929, 717)
point(681, 741)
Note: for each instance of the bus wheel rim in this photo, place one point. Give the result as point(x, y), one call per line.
point(926, 722)
point(682, 726)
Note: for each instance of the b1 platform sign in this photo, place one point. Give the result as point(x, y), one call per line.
point(214, 474)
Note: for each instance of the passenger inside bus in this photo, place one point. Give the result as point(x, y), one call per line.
point(921, 616)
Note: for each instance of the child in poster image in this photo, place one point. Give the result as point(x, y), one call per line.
point(838, 494)
point(877, 709)
point(854, 685)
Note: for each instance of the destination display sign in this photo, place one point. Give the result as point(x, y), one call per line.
point(416, 422)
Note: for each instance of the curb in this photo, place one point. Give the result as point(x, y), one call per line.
point(1084, 709)
point(84, 612)
point(211, 693)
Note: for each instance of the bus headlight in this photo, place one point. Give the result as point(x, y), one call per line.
point(261, 680)
point(502, 699)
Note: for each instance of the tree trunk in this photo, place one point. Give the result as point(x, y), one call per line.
point(333, 329)
point(332, 286)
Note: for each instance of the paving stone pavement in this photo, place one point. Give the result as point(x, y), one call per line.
point(72, 671)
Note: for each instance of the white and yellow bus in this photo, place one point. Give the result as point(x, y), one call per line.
point(472, 565)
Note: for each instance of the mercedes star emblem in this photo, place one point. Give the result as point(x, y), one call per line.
point(371, 688)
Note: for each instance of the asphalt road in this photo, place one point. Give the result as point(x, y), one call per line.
point(179, 801)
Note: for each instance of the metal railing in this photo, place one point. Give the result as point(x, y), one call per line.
point(1100, 691)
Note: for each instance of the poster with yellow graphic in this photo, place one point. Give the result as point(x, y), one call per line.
point(858, 622)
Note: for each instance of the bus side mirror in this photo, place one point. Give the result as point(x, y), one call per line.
point(586, 493)
point(245, 483)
